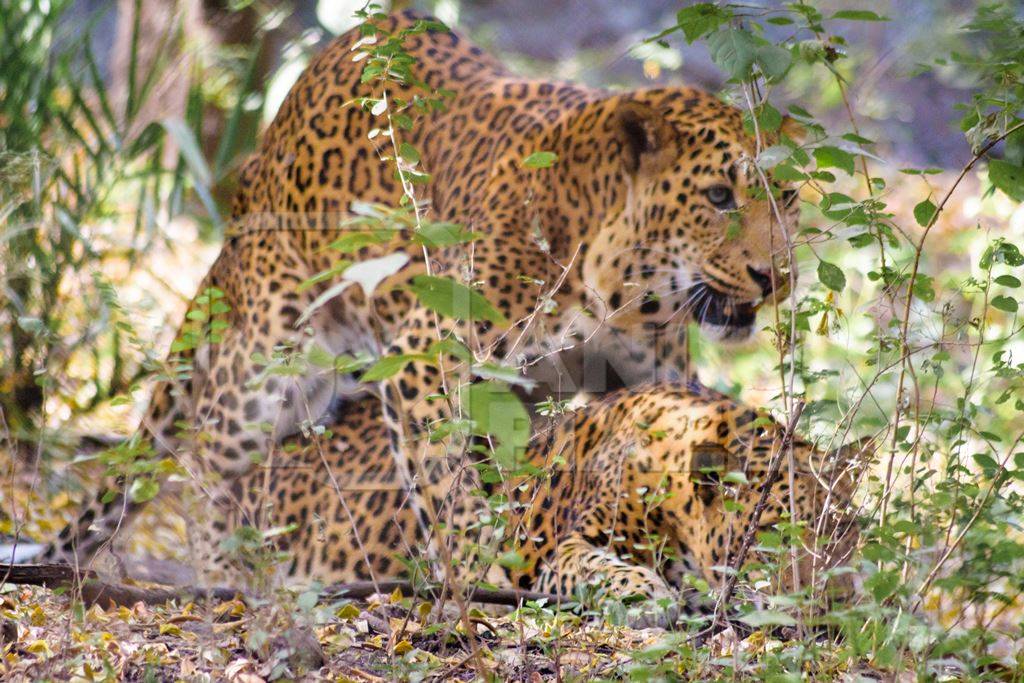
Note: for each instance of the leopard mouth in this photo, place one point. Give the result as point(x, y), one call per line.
point(720, 315)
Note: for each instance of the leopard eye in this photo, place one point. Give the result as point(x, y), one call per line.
point(789, 196)
point(721, 197)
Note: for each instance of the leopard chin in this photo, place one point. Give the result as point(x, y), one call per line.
point(722, 317)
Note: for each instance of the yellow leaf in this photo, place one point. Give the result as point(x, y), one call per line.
point(349, 611)
point(755, 642)
point(399, 623)
point(402, 647)
point(39, 647)
point(396, 596)
point(169, 629)
point(822, 329)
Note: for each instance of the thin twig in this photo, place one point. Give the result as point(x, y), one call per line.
point(766, 489)
point(97, 591)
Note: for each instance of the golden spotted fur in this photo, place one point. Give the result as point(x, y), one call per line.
point(650, 217)
point(629, 494)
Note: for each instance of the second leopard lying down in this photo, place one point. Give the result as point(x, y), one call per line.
point(630, 494)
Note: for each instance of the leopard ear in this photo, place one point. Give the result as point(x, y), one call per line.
point(708, 464)
point(648, 139)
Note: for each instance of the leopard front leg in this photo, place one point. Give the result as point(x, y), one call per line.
point(417, 400)
point(235, 383)
point(579, 564)
point(427, 411)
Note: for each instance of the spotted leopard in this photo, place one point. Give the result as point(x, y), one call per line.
point(632, 494)
point(652, 215)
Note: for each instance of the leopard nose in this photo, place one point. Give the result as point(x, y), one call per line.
point(763, 279)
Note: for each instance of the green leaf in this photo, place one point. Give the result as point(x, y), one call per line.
point(924, 213)
point(329, 274)
point(784, 173)
point(878, 553)
point(454, 300)
point(1008, 281)
point(505, 373)
point(857, 139)
point(831, 276)
point(733, 506)
point(143, 489)
point(387, 366)
point(735, 477)
point(699, 19)
point(882, 584)
point(1002, 251)
point(923, 288)
point(774, 61)
point(773, 156)
point(409, 153)
point(829, 156)
point(307, 600)
point(1007, 177)
point(498, 413)
point(862, 240)
point(840, 207)
point(1005, 303)
point(858, 15)
point(512, 560)
point(734, 51)
point(766, 617)
point(986, 462)
point(436, 235)
point(540, 160)
point(320, 357)
point(769, 118)
point(345, 363)
point(451, 347)
point(354, 241)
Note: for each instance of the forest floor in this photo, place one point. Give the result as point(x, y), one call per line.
point(49, 635)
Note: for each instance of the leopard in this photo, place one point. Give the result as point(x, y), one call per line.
point(650, 214)
point(640, 495)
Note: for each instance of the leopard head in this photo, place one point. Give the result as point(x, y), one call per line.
point(808, 508)
point(702, 232)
